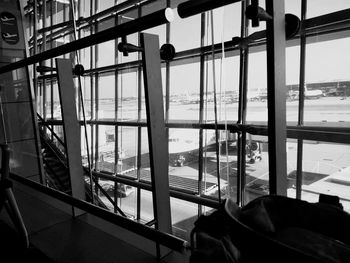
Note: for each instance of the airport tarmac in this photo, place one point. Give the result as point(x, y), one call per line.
point(319, 159)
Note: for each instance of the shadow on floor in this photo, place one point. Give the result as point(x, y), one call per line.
point(12, 250)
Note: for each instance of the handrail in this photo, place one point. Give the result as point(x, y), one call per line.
point(149, 21)
point(88, 21)
point(190, 8)
point(157, 18)
point(7, 197)
point(162, 238)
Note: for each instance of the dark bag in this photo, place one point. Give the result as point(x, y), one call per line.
point(273, 228)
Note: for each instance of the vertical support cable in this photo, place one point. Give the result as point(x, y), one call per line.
point(242, 110)
point(299, 175)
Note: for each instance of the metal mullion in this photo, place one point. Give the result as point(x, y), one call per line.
point(167, 74)
point(63, 20)
point(53, 13)
point(96, 91)
point(35, 47)
point(92, 76)
point(93, 79)
point(299, 173)
point(139, 128)
point(201, 112)
point(276, 89)
point(78, 55)
point(44, 7)
point(116, 104)
point(242, 112)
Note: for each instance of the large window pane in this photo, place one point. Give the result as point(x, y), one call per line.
point(185, 37)
point(106, 91)
point(326, 170)
point(326, 89)
point(257, 88)
point(322, 7)
point(257, 169)
point(184, 92)
point(127, 95)
point(183, 159)
point(221, 95)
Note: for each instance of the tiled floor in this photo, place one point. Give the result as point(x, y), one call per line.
point(57, 237)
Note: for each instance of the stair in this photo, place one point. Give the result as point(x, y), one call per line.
point(56, 169)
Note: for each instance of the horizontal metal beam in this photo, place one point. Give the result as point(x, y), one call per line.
point(194, 7)
point(314, 133)
point(334, 22)
point(149, 21)
point(320, 133)
point(165, 239)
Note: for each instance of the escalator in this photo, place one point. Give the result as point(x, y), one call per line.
point(56, 169)
point(55, 166)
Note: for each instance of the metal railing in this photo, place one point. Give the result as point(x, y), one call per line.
point(149, 21)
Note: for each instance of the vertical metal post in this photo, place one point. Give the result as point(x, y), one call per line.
point(96, 82)
point(299, 175)
point(71, 127)
point(158, 145)
point(276, 89)
point(35, 45)
point(116, 111)
point(167, 73)
point(92, 81)
point(52, 13)
point(201, 112)
point(139, 129)
point(44, 94)
point(242, 112)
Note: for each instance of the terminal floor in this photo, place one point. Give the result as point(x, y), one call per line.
point(56, 236)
